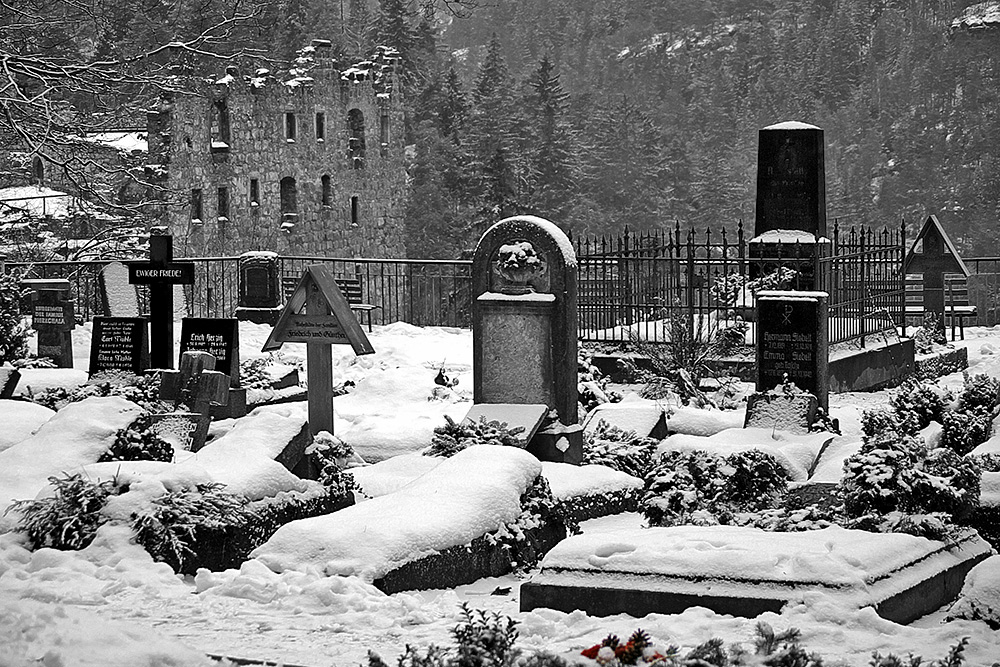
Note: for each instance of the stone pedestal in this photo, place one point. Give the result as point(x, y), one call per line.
point(260, 288)
point(516, 359)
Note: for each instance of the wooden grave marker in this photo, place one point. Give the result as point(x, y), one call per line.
point(327, 320)
point(161, 273)
point(937, 256)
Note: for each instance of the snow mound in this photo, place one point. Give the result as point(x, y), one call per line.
point(75, 436)
point(571, 481)
point(391, 475)
point(696, 421)
point(639, 415)
point(464, 497)
point(20, 419)
point(980, 596)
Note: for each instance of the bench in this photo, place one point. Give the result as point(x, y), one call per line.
point(956, 302)
point(350, 287)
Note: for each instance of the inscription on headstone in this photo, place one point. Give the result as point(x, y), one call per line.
point(219, 337)
point(119, 343)
point(791, 179)
point(52, 316)
point(792, 341)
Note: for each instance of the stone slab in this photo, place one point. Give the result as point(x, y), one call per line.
point(529, 416)
point(901, 585)
point(646, 418)
point(793, 413)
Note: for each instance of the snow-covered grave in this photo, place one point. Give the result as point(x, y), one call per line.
point(307, 595)
point(747, 571)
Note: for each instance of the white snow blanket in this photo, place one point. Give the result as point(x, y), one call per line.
point(980, 596)
point(77, 435)
point(571, 481)
point(20, 419)
point(466, 496)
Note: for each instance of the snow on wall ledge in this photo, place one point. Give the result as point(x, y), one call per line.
point(466, 496)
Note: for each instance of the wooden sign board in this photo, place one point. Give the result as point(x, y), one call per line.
point(938, 253)
point(337, 326)
point(119, 343)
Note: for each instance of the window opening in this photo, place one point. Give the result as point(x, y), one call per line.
point(254, 192)
point(320, 126)
point(289, 126)
point(356, 138)
point(288, 195)
point(220, 126)
point(196, 205)
point(384, 133)
point(223, 203)
point(37, 171)
point(325, 190)
point(354, 211)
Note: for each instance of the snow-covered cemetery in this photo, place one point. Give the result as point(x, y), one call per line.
point(327, 363)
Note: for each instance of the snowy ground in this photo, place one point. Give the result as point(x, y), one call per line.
point(110, 604)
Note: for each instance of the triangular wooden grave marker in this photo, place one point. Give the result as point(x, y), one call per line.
point(938, 252)
point(336, 326)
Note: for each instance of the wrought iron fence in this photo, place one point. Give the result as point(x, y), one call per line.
point(631, 287)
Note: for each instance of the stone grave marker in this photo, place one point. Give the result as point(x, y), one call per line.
point(197, 385)
point(180, 429)
point(259, 288)
point(791, 179)
point(118, 296)
point(318, 314)
point(9, 378)
point(933, 255)
point(53, 317)
point(527, 416)
point(161, 273)
point(119, 343)
point(219, 337)
point(524, 323)
point(792, 345)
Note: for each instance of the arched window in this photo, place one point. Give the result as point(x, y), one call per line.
point(355, 212)
point(356, 138)
point(37, 171)
point(325, 191)
point(383, 133)
point(288, 196)
point(220, 126)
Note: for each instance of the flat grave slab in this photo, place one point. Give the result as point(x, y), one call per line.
point(746, 571)
point(647, 418)
point(528, 416)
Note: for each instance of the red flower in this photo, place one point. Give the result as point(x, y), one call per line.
point(591, 652)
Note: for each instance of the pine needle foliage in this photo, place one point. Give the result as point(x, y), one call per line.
point(70, 517)
point(455, 436)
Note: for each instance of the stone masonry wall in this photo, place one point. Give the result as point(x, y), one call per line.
point(190, 148)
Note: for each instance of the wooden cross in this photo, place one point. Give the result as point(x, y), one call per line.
point(161, 273)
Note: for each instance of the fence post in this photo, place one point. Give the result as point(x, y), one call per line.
point(902, 273)
point(690, 284)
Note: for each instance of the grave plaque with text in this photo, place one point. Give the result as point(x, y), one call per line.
point(791, 179)
point(217, 336)
point(792, 340)
point(119, 343)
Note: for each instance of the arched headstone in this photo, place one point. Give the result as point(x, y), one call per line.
point(524, 276)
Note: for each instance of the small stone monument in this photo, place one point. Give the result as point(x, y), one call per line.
point(792, 348)
point(198, 386)
point(53, 317)
point(259, 288)
point(524, 323)
point(118, 297)
point(790, 219)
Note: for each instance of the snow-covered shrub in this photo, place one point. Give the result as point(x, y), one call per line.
point(704, 489)
point(929, 335)
point(880, 421)
point(617, 448)
point(13, 329)
point(988, 462)
point(330, 456)
point(897, 474)
point(455, 436)
point(70, 517)
point(521, 537)
point(980, 392)
point(966, 429)
point(137, 442)
point(789, 519)
point(142, 390)
point(167, 531)
point(917, 403)
point(592, 386)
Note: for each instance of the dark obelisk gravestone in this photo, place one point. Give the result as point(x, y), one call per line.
point(791, 179)
point(161, 273)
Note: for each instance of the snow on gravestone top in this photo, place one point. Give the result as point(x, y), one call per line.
point(791, 125)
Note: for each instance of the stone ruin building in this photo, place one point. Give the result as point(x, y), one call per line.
point(306, 163)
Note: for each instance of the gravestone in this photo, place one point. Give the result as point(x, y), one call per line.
point(790, 218)
point(197, 385)
point(118, 297)
point(219, 337)
point(933, 255)
point(119, 344)
point(161, 273)
point(524, 278)
point(318, 314)
point(259, 288)
point(53, 317)
point(793, 342)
